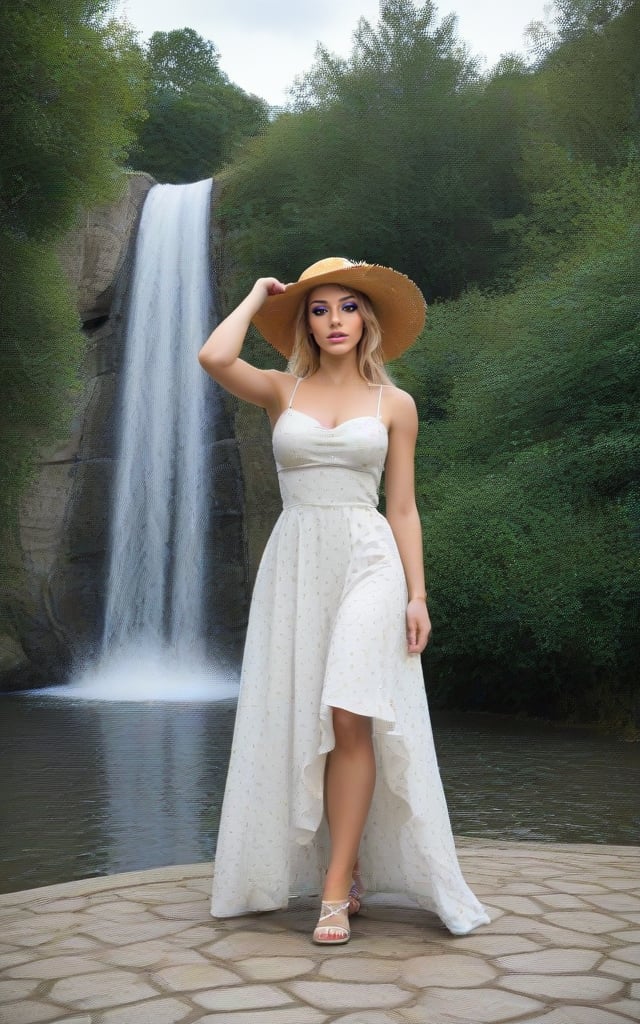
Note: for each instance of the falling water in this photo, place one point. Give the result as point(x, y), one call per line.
point(156, 576)
point(154, 638)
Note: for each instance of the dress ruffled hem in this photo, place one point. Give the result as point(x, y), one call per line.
point(439, 887)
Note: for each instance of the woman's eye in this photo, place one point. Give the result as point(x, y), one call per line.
point(350, 307)
point(319, 310)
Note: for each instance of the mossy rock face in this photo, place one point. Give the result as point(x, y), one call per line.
point(96, 252)
point(12, 656)
point(55, 598)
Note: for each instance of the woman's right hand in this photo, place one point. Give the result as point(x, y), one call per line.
point(266, 286)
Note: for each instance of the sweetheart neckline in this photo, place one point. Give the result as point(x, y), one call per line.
point(352, 419)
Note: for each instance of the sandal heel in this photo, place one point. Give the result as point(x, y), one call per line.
point(356, 892)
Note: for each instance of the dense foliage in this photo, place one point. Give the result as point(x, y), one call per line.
point(40, 352)
point(71, 93)
point(378, 155)
point(71, 84)
point(403, 152)
point(529, 482)
point(196, 116)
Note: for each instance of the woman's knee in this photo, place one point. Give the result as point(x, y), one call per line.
point(350, 730)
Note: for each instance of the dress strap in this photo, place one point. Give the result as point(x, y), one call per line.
point(297, 384)
point(379, 401)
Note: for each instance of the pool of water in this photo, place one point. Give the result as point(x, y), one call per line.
point(92, 787)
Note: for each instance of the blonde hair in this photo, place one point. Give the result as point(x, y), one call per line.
point(305, 355)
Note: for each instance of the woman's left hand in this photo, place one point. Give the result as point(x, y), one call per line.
point(418, 626)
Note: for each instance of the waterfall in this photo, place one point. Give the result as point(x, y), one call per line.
point(177, 506)
point(156, 574)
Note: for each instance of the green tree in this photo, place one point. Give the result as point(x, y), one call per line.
point(197, 117)
point(181, 59)
point(380, 156)
point(72, 89)
point(574, 19)
point(72, 93)
point(588, 81)
point(41, 349)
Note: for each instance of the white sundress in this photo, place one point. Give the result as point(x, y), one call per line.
point(327, 629)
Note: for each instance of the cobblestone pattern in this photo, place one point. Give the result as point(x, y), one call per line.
point(563, 947)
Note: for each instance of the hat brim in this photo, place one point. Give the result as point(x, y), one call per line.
point(397, 302)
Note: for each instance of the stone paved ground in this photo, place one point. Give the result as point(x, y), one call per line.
point(563, 947)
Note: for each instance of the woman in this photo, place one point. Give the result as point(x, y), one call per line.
point(333, 764)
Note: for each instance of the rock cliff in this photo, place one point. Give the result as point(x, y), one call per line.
point(59, 556)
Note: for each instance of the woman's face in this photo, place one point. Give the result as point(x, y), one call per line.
point(334, 318)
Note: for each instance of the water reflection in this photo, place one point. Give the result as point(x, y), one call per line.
point(91, 788)
point(512, 779)
point(158, 772)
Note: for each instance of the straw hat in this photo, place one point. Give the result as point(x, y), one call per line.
point(397, 302)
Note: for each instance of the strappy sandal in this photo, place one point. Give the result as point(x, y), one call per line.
point(356, 892)
point(332, 934)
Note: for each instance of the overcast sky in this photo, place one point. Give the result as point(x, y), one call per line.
point(263, 45)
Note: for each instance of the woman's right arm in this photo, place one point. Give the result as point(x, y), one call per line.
point(219, 355)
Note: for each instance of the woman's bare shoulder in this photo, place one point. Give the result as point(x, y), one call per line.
point(401, 405)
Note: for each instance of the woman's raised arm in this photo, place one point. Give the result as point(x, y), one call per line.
point(219, 355)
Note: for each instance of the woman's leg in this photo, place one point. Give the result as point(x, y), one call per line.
point(349, 782)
